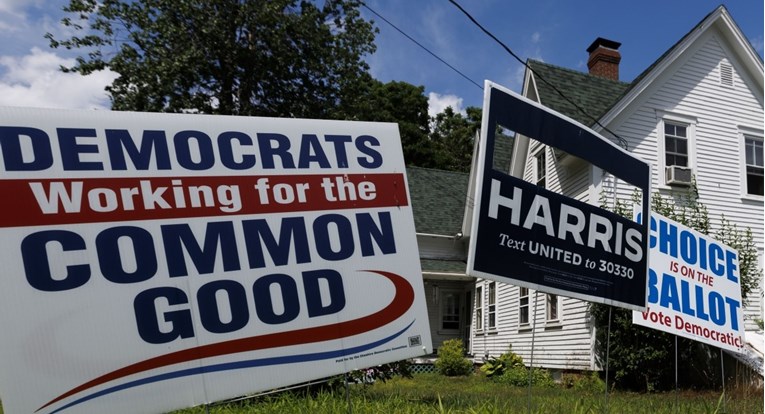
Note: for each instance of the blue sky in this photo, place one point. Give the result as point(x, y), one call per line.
point(557, 32)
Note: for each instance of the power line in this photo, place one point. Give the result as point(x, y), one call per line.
point(536, 75)
point(420, 45)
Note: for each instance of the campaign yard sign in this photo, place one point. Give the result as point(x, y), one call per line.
point(694, 286)
point(157, 261)
point(533, 237)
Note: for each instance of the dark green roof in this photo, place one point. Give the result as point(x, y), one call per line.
point(503, 151)
point(438, 199)
point(443, 266)
point(596, 95)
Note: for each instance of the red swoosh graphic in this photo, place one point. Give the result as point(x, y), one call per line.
point(401, 302)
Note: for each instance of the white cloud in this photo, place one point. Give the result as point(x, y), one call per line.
point(34, 80)
point(13, 6)
point(535, 37)
point(437, 30)
point(437, 103)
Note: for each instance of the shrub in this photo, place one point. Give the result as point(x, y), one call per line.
point(495, 367)
point(519, 376)
point(584, 382)
point(591, 383)
point(451, 359)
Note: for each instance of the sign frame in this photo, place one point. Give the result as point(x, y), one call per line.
point(505, 108)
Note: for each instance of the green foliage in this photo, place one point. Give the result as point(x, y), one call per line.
point(252, 57)
point(748, 265)
point(281, 58)
point(643, 358)
point(429, 393)
point(495, 367)
point(406, 105)
point(518, 376)
point(508, 369)
point(590, 383)
point(451, 360)
point(452, 136)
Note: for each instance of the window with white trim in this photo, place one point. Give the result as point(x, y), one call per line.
point(676, 134)
point(540, 168)
point(552, 307)
point(676, 144)
point(479, 308)
point(754, 164)
point(491, 312)
point(523, 306)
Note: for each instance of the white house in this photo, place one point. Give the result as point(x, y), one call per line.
point(696, 111)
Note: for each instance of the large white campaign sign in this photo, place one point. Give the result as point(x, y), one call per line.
point(694, 286)
point(156, 261)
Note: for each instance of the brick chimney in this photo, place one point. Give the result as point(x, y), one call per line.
point(604, 58)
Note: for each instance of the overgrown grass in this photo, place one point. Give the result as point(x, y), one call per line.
point(431, 393)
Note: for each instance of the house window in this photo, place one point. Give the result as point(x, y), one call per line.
point(676, 144)
point(492, 310)
point(479, 308)
point(754, 165)
point(540, 169)
point(523, 306)
point(552, 307)
point(450, 311)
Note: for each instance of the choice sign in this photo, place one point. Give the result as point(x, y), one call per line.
point(533, 237)
point(694, 286)
point(155, 261)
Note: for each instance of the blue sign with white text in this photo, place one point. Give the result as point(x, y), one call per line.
point(530, 236)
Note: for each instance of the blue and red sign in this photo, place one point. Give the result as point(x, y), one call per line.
point(694, 286)
point(153, 261)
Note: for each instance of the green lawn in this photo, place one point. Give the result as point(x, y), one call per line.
point(431, 393)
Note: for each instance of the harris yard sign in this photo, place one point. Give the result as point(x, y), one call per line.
point(532, 237)
point(694, 286)
point(156, 261)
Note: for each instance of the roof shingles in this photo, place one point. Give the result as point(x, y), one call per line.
point(438, 199)
point(594, 94)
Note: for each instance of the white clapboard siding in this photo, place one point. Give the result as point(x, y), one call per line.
point(692, 89)
point(566, 344)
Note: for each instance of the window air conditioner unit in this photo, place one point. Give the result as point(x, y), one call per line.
point(677, 175)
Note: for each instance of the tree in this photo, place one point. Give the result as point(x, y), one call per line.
point(241, 57)
point(643, 358)
point(406, 105)
point(452, 135)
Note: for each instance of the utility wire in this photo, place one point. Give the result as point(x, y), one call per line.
point(420, 45)
point(427, 177)
point(536, 75)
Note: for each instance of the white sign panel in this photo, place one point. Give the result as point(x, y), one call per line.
point(154, 261)
point(694, 287)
